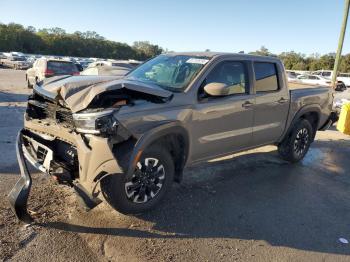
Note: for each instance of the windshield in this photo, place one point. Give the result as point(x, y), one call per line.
point(171, 72)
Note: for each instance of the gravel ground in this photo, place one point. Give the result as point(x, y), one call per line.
point(250, 207)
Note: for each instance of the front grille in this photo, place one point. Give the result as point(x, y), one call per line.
point(39, 108)
point(64, 154)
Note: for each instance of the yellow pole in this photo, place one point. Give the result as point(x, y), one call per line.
point(340, 43)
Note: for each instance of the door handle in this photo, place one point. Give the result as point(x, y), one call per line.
point(282, 100)
point(247, 104)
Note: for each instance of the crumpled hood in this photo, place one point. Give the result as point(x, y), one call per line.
point(78, 91)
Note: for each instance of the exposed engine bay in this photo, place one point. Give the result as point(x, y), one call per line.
point(88, 107)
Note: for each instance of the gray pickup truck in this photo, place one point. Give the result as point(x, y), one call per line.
point(127, 139)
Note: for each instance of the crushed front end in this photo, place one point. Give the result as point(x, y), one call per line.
point(51, 143)
point(71, 133)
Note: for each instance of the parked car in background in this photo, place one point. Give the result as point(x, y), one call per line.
point(2, 56)
point(107, 70)
point(345, 78)
point(17, 54)
point(313, 80)
point(291, 75)
point(44, 68)
point(84, 64)
point(319, 80)
point(122, 63)
point(328, 74)
point(31, 60)
point(78, 65)
point(15, 62)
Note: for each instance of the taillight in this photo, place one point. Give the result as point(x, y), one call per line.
point(76, 73)
point(49, 72)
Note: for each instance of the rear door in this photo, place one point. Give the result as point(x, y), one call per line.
point(271, 102)
point(222, 125)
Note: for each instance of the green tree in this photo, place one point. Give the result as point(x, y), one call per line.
point(145, 49)
point(327, 61)
point(292, 60)
point(345, 64)
point(263, 51)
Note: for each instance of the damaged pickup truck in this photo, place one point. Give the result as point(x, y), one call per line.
point(126, 140)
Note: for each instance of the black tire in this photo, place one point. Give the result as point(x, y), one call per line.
point(119, 192)
point(296, 144)
point(29, 85)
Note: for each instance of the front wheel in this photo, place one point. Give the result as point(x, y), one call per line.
point(152, 178)
point(29, 85)
point(294, 146)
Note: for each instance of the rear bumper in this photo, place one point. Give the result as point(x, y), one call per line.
point(334, 116)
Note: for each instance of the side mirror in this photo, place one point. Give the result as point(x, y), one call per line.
point(216, 89)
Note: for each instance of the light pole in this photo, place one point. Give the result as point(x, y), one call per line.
point(340, 43)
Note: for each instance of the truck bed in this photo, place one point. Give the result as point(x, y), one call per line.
point(297, 85)
point(311, 95)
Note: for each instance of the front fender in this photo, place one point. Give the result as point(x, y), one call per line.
point(174, 127)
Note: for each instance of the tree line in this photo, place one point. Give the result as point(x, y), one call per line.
point(298, 61)
point(56, 41)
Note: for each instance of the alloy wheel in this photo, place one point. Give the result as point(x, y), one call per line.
point(146, 182)
point(301, 141)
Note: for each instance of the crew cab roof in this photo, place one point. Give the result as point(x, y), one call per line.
point(223, 54)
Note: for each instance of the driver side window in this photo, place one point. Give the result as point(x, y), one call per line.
point(231, 73)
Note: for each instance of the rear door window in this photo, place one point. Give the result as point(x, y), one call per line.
point(266, 77)
point(59, 67)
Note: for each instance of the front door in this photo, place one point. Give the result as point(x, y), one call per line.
point(223, 124)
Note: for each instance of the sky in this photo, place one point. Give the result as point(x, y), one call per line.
point(306, 26)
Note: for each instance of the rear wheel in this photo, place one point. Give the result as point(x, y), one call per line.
point(151, 179)
point(295, 146)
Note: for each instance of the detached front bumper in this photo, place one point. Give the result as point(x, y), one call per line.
point(18, 196)
point(46, 154)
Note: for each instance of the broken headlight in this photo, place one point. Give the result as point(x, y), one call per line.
point(95, 123)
